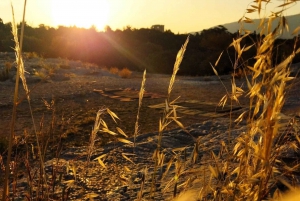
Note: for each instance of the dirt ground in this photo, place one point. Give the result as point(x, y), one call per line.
point(76, 103)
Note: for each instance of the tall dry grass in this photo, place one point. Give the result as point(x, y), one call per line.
point(257, 151)
point(20, 74)
point(251, 166)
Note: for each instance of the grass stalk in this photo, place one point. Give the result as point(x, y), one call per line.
point(18, 50)
point(141, 94)
point(168, 117)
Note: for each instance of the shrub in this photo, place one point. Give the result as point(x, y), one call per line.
point(125, 73)
point(64, 64)
point(114, 70)
point(31, 55)
point(4, 73)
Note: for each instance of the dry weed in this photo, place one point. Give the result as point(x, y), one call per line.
point(124, 73)
point(114, 70)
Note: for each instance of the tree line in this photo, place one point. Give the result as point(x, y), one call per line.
point(139, 49)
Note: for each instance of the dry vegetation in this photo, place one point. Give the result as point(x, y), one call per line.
point(249, 167)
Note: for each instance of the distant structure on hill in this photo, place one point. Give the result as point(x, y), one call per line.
point(158, 27)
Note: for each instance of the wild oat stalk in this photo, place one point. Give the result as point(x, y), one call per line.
point(93, 136)
point(169, 116)
point(101, 126)
point(253, 178)
point(20, 72)
point(141, 94)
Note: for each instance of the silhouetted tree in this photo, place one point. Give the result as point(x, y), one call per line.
point(139, 49)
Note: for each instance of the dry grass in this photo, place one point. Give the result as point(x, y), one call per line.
point(249, 167)
point(4, 73)
point(64, 64)
point(31, 55)
point(114, 70)
point(125, 73)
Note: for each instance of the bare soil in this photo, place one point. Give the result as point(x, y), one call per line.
point(76, 103)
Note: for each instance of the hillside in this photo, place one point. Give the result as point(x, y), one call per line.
point(293, 21)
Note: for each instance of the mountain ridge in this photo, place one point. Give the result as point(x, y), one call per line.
point(293, 22)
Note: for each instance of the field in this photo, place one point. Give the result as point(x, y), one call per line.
point(83, 132)
point(77, 101)
point(84, 89)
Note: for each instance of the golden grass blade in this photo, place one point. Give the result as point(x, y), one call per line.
point(177, 122)
point(121, 132)
point(251, 10)
point(105, 130)
point(286, 4)
point(259, 6)
point(223, 101)
point(69, 182)
point(285, 24)
point(240, 19)
point(127, 169)
point(240, 118)
point(219, 58)
point(254, 6)
point(248, 20)
point(91, 196)
point(167, 108)
point(123, 179)
point(74, 171)
point(213, 171)
point(178, 61)
point(215, 71)
point(160, 127)
point(247, 48)
point(101, 163)
point(103, 123)
point(124, 156)
point(141, 95)
point(174, 101)
point(124, 141)
point(112, 114)
point(195, 153)
point(296, 30)
point(101, 156)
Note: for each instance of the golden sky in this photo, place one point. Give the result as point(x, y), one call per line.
point(180, 16)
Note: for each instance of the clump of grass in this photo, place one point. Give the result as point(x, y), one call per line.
point(124, 73)
point(64, 64)
point(256, 150)
point(250, 165)
point(31, 55)
point(4, 74)
point(169, 116)
point(20, 74)
point(45, 70)
point(114, 70)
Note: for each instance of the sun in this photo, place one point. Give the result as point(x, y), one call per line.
point(81, 13)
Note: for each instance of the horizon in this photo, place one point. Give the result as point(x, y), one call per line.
point(180, 17)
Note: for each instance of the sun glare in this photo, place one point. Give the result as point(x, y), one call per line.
point(81, 13)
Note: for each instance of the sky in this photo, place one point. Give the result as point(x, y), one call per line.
point(180, 16)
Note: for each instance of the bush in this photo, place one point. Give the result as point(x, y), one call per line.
point(4, 73)
point(64, 64)
point(114, 70)
point(31, 55)
point(125, 73)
